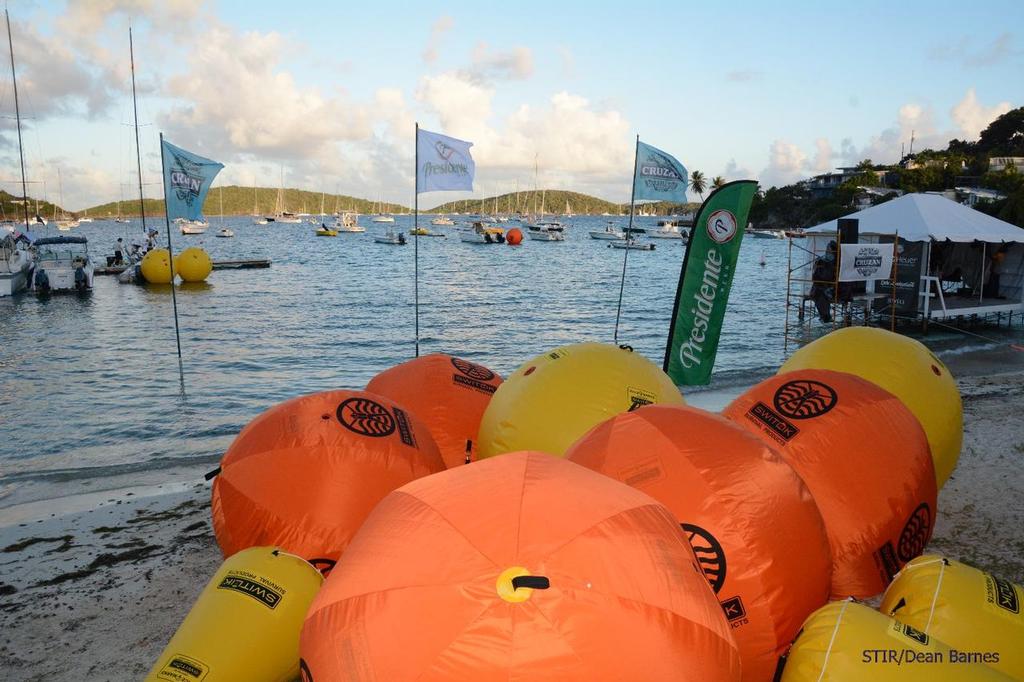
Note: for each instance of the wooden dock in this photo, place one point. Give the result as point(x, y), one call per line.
point(217, 265)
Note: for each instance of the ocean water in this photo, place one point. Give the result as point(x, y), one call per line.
point(89, 387)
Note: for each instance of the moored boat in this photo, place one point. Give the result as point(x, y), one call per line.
point(478, 233)
point(62, 264)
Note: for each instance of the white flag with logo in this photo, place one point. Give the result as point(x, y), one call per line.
point(444, 163)
point(863, 262)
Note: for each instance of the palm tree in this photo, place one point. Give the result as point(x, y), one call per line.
point(698, 184)
point(719, 181)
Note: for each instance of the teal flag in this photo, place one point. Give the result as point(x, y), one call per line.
point(659, 176)
point(187, 179)
point(705, 281)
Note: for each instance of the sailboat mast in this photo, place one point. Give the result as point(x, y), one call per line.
point(138, 149)
point(17, 115)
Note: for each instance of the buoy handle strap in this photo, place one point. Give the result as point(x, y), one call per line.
point(209, 476)
point(534, 582)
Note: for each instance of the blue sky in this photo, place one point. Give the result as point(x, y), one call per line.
point(327, 91)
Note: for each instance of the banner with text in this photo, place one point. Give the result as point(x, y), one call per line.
point(443, 163)
point(863, 262)
point(909, 268)
point(659, 176)
point(187, 179)
point(704, 283)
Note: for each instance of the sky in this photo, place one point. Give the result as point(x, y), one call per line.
point(325, 94)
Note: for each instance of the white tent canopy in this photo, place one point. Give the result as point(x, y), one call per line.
point(924, 217)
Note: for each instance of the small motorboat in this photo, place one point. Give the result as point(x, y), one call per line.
point(632, 245)
point(325, 231)
point(391, 238)
point(382, 219)
point(192, 226)
point(479, 233)
point(348, 222)
point(424, 232)
point(667, 229)
point(768, 234)
point(609, 233)
point(442, 220)
point(546, 231)
point(63, 264)
point(224, 233)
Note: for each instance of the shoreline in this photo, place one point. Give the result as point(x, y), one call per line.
point(106, 577)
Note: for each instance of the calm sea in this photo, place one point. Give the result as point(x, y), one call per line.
point(89, 390)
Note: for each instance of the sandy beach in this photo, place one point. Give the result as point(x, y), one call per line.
point(93, 586)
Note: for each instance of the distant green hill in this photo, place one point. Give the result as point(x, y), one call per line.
point(554, 201)
point(12, 208)
point(241, 200)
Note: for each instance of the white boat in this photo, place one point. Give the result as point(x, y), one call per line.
point(667, 230)
point(289, 218)
point(122, 221)
point(632, 245)
point(67, 225)
point(383, 219)
point(348, 222)
point(609, 233)
point(85, 219)
point(259, 221)
point(391, 237)
point(224, 233)
point(478, 233)
point(442, 220)
point(191, 226)
point(15, 266)
point(62, 264)
point(64, 223)
point(768, 234)
point(546, 231)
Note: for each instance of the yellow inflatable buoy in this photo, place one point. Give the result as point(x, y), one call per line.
point(245, 624)
point(555, 398)
point(967, 609)
point(193, 264)
point(903, 367)
point(847, 640)
point(156, 267)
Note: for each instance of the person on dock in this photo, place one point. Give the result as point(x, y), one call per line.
point(822, 288)
point(119, 251)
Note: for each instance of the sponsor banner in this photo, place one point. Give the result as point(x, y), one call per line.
point(909, 268)
point(704, 283)
point(659, 176)
point(863, 262)
point(187, 179)
point(443, 163)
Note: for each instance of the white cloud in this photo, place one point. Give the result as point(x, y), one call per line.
point(487, 66)
point(438, 31)
point(235, 99)
point(823, 155)
point(786, 164)
point(972, 117)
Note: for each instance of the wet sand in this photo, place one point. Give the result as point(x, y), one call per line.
point(93, 587)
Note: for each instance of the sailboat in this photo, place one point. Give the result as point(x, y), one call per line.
point(280, 215)
point(545, 230)
point(65, 223)
point(381, 217)
point(16, 262)
point(257, 219)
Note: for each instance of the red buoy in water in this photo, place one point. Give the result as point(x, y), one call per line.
point(514, 237)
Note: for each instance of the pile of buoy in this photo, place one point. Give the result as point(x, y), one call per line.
point(578, 521)
point(191, 265)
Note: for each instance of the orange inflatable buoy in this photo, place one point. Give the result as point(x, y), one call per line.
point(754, 526)
point(523, 567)
point(449, 394)
point(304, 474)
point(865, 459)
point(514, 237)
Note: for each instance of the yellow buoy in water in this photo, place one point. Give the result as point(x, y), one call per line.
point(903, 367)
point(967, 609)
point(245, 624)
point(193, 264)
point(847, 640)
point(156, 267)
point(555, 398)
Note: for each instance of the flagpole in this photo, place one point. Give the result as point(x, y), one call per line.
point(138, 149)
point(416, 232)
point(629, 235)
point(170, 256)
